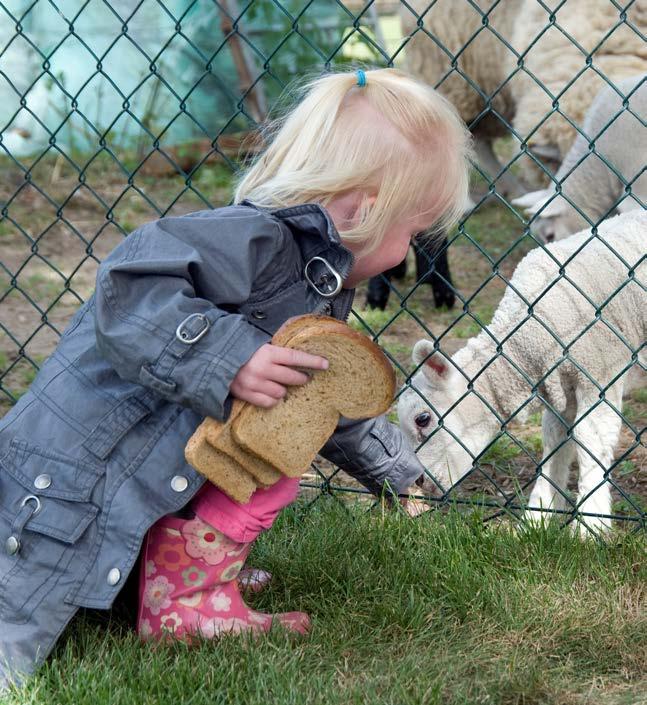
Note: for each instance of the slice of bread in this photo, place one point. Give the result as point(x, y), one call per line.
point(359, 383)
point(212, 451)
point(218, 435)
point(218, 467)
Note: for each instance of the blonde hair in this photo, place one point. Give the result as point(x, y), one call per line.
point(413, 156)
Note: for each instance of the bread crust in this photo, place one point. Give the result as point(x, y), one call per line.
point(218, 467)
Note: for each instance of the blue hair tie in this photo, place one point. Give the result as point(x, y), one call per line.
point(361, 78)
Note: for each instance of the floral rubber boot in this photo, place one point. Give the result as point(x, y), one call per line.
point(188, 584)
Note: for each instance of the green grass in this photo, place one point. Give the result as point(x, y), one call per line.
point(441, 609)
point(17, 380)
point(629, 505)
point(535, 418)
point(534, 443)
point(501, 451)
point(6, 229)
point(640, 395)
point(42, 286)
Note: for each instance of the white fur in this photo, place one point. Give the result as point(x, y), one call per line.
point(535, 366)
point(620, 138)
point(550, 59)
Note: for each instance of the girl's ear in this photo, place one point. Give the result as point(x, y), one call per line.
point(362, 201)
point(435, 366)
point(346, 209)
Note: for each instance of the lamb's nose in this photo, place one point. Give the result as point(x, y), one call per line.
point(550, 237)
point(420, 481)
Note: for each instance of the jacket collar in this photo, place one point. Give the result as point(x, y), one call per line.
point(317, 234)
point(318, 237)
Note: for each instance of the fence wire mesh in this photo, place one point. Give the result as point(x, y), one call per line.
point(115, 113)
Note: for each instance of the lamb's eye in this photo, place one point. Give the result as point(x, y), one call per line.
point(422, 420)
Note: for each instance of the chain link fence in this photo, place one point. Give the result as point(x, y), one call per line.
point(116, 113)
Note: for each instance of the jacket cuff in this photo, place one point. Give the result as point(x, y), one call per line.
point(407, 469)
point(212, 394)
point(375, 453)
point(212, 397)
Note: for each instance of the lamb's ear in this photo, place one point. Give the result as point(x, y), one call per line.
point(529, 200)
point(435, 366)
point(558, 206)
point(547, 151)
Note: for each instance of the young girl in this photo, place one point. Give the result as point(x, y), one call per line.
point(92, 457)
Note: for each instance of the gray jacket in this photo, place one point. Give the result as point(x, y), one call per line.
point(93, 454)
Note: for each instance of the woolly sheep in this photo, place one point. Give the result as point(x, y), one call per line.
point(550, 59)
point(586, 180)
point(483, 60)
point(542, 360)
point(553, 60)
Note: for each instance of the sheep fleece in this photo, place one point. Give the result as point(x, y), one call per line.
point(561, 313)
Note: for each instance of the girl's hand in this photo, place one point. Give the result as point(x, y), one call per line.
point(263, 378)
point(414, 507)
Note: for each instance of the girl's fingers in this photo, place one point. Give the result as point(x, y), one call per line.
point(271, 389)
point(286, 375)
point(298, 358)
point(258, 399)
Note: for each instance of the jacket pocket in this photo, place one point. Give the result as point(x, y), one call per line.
point(45, 508)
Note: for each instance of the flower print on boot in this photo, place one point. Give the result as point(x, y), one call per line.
point(188, 585)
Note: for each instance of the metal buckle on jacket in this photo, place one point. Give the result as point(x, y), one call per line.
point(325, 278)
point(13, 544)
point(184, 336)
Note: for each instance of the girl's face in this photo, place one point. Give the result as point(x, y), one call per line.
point(344, 212)
point(392, 250)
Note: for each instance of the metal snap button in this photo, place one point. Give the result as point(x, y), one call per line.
point(42, 482)
point(179, 483)
point(114, 576)
point(12, 545)
point(258, 314)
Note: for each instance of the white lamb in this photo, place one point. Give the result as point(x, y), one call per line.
point(546, 346)
point(591, 181)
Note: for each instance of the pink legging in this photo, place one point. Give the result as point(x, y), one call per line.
point(244, 522)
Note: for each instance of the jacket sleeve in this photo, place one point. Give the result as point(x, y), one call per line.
point(166, 302)
point(375, 453)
